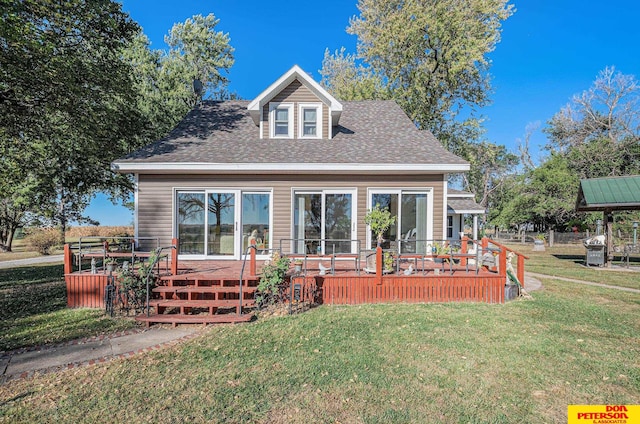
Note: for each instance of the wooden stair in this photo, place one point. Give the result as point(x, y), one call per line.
point(201, 299)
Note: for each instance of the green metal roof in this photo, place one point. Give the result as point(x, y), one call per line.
point(611, 193)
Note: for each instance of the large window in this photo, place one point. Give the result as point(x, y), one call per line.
point(411, 209)
point(222, 223)
point(323, 222)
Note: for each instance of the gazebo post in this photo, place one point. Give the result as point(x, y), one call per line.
point(608, 218)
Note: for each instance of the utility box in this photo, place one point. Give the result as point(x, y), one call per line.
point(595, 254)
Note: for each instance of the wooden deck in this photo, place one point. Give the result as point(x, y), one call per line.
point(210, 291)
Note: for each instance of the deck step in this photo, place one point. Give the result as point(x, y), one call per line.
point(175, 319)
point(200, 303)
point(203, 289)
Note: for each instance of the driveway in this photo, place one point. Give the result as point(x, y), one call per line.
point(32, 261)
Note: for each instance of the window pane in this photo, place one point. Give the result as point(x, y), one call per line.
point(309, 129)
point(310, 121)
point(387, 201)
point(337, 223)
point(282, 129)
point(191, 223)
point(413, 223)
point(255, 220)
point(282, 115)
point(307, 218)
point(309, 115)
point(221, 224)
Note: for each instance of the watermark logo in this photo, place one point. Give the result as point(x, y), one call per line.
point(603, 414)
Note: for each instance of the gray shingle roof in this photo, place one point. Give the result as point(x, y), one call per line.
point(370, 132)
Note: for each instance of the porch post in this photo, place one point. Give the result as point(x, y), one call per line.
point(379, 265)
point(252, 262)
point(463, 247)
point(502, 267)
point(174, 257)
point(475, 227)
point(521, 270)
point(68, 259)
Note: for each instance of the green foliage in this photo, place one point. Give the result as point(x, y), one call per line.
point(132, 283)
point(271, 286)
point(379, 220)
point(388, 261)
point(348, 80)
point(429, 55)
point(42, 240)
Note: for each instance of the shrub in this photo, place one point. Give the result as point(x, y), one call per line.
point(132, 284)
point(42, 240)
point(271, 285)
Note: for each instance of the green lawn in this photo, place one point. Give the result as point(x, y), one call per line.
point(428, 363)
point(568, 261)
point(33, 310)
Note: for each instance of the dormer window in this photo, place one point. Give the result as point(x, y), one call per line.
point(310, 116)
point(281, 118)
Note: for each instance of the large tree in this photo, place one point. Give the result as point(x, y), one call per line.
point(64, 99)
point(432, 57)
point(599, 130)
point(79, 87)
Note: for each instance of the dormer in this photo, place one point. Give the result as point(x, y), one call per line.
point(295, 106)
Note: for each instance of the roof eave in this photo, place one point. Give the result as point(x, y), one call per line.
point(194, 168)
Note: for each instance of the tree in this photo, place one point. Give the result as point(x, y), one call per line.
point(64, 99)
point(490, 166)
point(348, 80)
point(431, 56)
point(599, 130)
point(196, 52)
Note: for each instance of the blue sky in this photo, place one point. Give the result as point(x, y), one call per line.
point(550, 50)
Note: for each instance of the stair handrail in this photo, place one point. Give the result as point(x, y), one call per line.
point(520, 257)
point(244, 261)
point(155, 259)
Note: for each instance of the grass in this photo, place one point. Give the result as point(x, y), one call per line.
point(33, 310)
point(520, 362)
point(524, 361)
point(568, 261)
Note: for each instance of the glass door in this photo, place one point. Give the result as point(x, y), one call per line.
point(222, 224)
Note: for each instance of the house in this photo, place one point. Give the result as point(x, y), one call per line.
point(460, 205)
point(293, 168)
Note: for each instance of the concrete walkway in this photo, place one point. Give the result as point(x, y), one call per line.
point(588, 283)
point(28, 362)
point(31, 261)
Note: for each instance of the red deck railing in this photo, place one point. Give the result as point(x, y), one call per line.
point(465, 282)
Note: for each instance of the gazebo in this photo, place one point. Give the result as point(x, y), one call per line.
point(607, 195)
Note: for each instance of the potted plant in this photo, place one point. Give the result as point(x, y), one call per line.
point(110, 264)
point(379, 220)
point(297, 266)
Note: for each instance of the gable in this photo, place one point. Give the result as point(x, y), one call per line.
point(295, 73)
point(295, 94)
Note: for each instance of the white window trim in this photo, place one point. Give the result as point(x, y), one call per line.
point(318, 108)
point(399, 191)
point(323, 193)
point(272, 119)
point(238, 218)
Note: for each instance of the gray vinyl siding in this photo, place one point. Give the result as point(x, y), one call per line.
point(156, 202)
point(296, 93)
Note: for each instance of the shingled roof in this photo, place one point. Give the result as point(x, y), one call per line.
point(221, 136)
